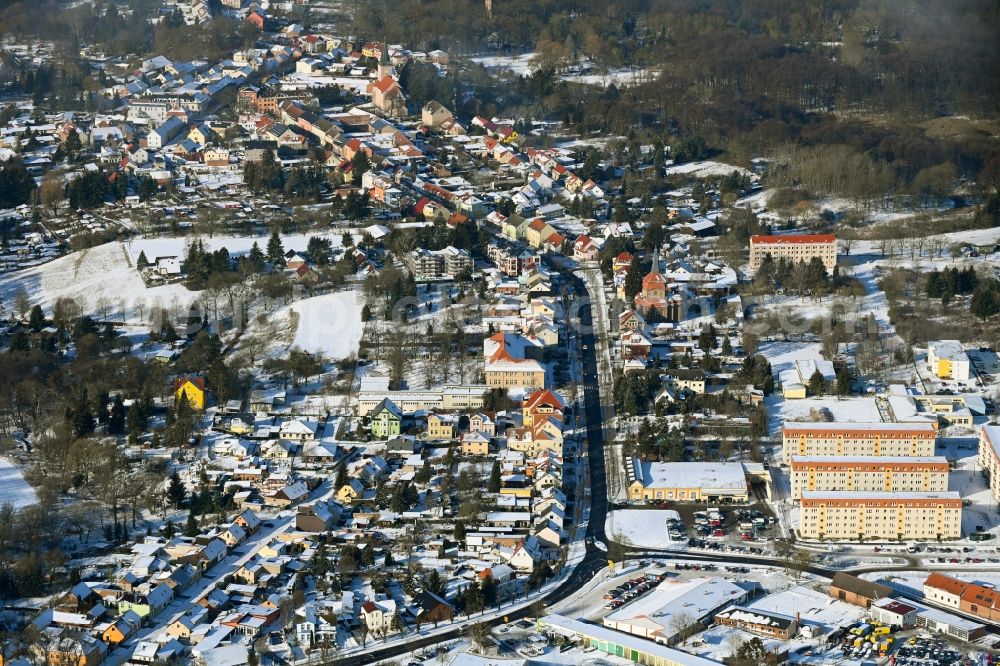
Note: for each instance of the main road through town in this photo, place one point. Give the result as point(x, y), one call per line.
point(595, 557)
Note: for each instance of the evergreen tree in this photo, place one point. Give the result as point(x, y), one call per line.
point(935, 284)
point(727, 346)
point(459, 531)
point(494, 483)
point(986, 299)
point(707, 339)
point(434, 583)
point(81, 417)
point(843, 382)
point(633, 281)
point(36, 320)
point(473, 599)
point(817, 385)
point(135, 421)
point(275, 250)
point(489, 590)
point(142, 261)
point(191, 528)
point(176, 491)
point(342, 478)
point(116, 419)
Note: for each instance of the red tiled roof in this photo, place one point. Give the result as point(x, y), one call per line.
point(793, 238)
point(385, 84)
point(197, 381)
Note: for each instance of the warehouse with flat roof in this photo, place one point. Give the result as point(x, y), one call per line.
point(687, 481)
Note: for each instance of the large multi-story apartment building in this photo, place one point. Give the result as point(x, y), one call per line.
point(868, 474)
point(794, 248)
point(854, 516)
point(989, 456)
point(858, 439)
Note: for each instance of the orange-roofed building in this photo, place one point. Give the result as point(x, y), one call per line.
point(795, 248)
point(388, 97)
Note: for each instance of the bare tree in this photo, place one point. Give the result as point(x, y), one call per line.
point(682, 623)
point(22, 303)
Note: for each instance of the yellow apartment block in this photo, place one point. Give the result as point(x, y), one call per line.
point(851, 516)
point(868, 474)
point(858, 439)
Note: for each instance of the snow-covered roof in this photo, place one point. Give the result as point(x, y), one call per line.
point(706, 475)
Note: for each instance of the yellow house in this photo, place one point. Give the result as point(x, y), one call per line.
point(440, 427)
point(475, 444)
point(192, 388)
point(544, 403)
point(537, 232)
point(517, 492)
point(793, 391)
point(123, 627)
point(350, 491)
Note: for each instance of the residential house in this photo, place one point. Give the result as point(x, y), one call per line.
point(191, 389)
point(386, 420)
point(440, 427)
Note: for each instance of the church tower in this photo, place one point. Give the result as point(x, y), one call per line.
point(384, 66)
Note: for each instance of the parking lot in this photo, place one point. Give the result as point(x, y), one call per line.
point(631, 589)
point(928, 651)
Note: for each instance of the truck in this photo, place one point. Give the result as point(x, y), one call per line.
point(862, 630)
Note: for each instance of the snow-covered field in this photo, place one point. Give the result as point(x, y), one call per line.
point(783, 355)
point(329, 324)
point(706, 168)
point(107, 273)
point(585, 72)
point(102, 272)
point(237, 245)
point(638, 527)
point(519, 64)
point(13, 488)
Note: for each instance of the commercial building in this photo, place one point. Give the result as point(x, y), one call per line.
point(947, 360)
point(621, 645)
point(909, 614)
point(687, 481)
point(939, 622)
point(880, 515)
point(868, 474)
point(794, 248)
point(989, 456)
point(450, 398)
point(857, 591)
point(769, 625)
point(957, 410)
point(894, 613)
point(972, 598)
point(944, 590)
point(858, 439)
point(674, 608)
point(508, 362)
